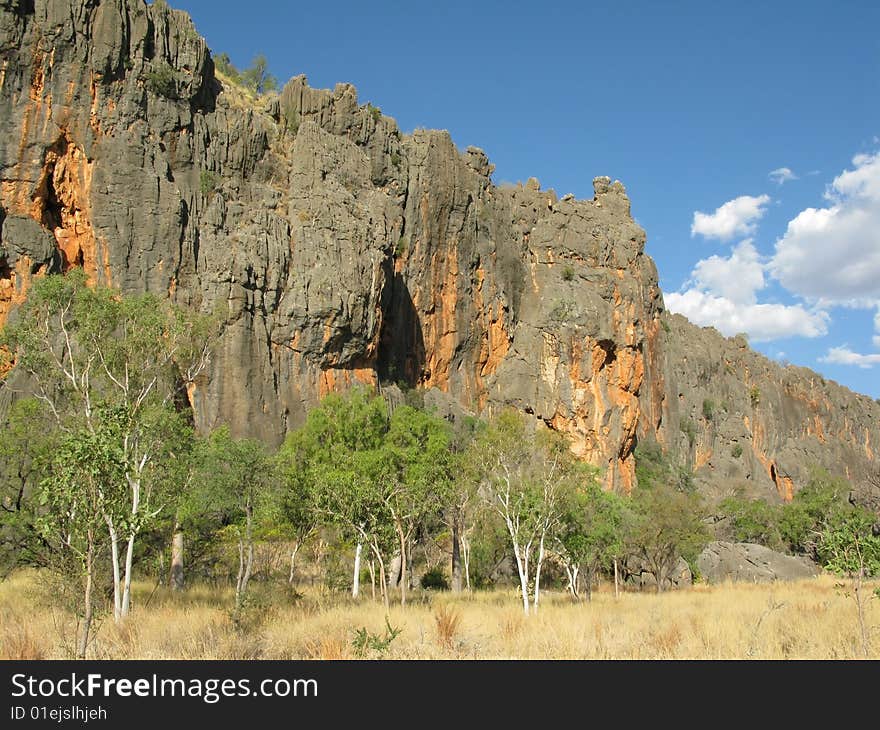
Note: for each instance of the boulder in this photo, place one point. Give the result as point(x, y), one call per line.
point(744, 561)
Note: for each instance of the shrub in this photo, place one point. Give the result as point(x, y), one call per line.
point(395, 160)
point(755, 396)
point(375, 112)
point(708, 409)
point(689, 429)
point(568, 273)
point(364, 641)
point(435, 578)
point(753, 520)
point(207, 182)
point(162, 81)
point(736, 451)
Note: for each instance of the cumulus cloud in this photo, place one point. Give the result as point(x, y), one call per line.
point(877, 329)
point(722, 293)
point(736, 278)
point(844, 356)
point(832, 254)
point(782, 175)
point(762, 322)
point(737, 217)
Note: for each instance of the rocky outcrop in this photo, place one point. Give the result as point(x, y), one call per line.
point(744, 422)
point(743, 561)
point(341, 251)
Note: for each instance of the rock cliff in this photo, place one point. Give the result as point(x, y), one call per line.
point(343, 251)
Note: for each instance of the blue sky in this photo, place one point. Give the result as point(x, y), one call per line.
point(690, 104)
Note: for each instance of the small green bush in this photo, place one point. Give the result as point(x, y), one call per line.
point(364, 641)
point(755, 396)
point(689, 429)
point(568, 273)
point(375, 112)
point(435, 578)
point(736, 451)
point(207, 182)
point(162, 81)
point(708, 409)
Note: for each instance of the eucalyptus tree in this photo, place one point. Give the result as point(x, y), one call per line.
point(98, 360)
point(524, 474)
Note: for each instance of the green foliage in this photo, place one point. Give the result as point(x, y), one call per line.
point(708, 409)
point(365, 642)
point(848, 546)
point(374, 112)
point(753, 520)
point(162, 80)
point(754, 396)
point(436, 579)
point(804, 519)
point(568, 273)
point(665, 325)
point(223, 64)
point(689, 429)
point(24, 452)
point(257, 78)
point(208, 180)
point(736, 451)
point(401, 247)
point(395, 160)
point(667, 513)
point(592, 529)
point(668, 524)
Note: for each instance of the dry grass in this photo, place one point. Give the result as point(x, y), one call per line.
point(809, 620)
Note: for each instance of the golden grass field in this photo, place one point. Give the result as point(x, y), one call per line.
point(810, 619)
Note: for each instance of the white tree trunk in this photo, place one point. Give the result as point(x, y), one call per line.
point(126, 586)
point(292, 561)
point(538, 565)
point(177, 577)
point(356, 578)
point(117, 580)
point(466, 557)
point(523, 579)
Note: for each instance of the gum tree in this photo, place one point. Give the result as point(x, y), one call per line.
point(101, 361)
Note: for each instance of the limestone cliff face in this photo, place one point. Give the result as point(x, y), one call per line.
point(342, 251)
point(743, 421)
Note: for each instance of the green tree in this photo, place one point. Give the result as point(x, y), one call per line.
point(75, 496)
point(668, 514)
point(591, 535)
point(419, 473)
point(753, 520)
point(233, 485)
point(334, 456)
point(24, 452)
point(98, 360)
point(523, 477)
point(849, 546)
point(804, 518)
point(257, 77)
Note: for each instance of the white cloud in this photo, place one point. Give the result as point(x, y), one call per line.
point(782, 175)
point(877, 328)
point(761, 322)
point(737, 217)
point(737, 278)
point(832, 254)
point(845, 356)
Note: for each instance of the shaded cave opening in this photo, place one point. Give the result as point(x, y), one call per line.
point(401, 356)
